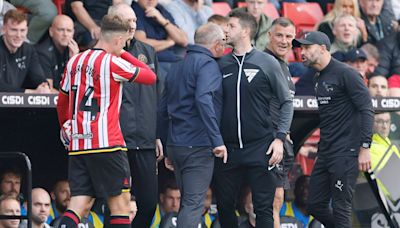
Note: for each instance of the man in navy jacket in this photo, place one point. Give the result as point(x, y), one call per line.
point(188, 121)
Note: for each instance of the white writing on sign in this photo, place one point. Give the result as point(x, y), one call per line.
point(374, 103)
point(298, 103)
point(38, 100)
point(312, 103)
point(12, 100)
point(390, 103)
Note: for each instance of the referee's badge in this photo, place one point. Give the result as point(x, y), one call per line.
point(142, 58)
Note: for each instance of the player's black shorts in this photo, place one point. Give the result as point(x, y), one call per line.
point(99, 174)
point(282, 169)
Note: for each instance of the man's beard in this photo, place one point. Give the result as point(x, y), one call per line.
point(60, 207)
point(300, 203)
point(37, 219)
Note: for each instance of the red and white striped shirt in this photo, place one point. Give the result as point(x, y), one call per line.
point(93, 81)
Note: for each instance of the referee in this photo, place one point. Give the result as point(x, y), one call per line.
point(251, 80)
point(346, 120)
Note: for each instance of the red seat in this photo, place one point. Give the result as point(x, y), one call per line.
point(269, 9)
point(306, 164)
point(241, 4)
point(304, 15)
point(329, 7)
point(59, 5)
point(313, 139)
point(291, 57)
point(221, 8)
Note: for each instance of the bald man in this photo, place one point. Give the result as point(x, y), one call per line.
point(189, 116)
point(40, 208)
point(56, 49)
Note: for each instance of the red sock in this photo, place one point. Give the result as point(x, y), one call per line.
point(119, 221)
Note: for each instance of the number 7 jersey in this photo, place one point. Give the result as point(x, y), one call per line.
point(93, 81)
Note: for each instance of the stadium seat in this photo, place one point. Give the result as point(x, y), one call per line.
point(241, 4)
point(329, 7)
point(269, 9)
point(59, 5)
point(297, 54)
point(291, 57)
point(221, 8)
point(306, 164)
point(304, 15)
point(314, 138)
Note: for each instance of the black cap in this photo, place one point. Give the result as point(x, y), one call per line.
point(314, 37)
point(355, 54)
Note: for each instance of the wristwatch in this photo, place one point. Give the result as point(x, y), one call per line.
point(366, 145)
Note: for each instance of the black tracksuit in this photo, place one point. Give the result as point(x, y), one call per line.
point(20, 70)
point(52, 61)
point(138, 119)
point(249, 84)
point(288, 155)
point(346, 119)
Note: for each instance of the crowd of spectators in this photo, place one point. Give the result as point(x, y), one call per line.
point(36, 44)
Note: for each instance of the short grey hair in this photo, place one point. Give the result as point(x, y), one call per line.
point(114, 9)
point(208, 33)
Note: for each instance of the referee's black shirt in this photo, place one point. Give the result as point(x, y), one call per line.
point(345, 109)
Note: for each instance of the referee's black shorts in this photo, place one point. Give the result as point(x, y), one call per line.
point(281, 171)
point(99, 174)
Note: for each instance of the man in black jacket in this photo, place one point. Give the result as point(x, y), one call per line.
point(20, 69)
point(56, 49)
point(138, 122)
point(389, 56)
point(346, 119)
point(250, 79)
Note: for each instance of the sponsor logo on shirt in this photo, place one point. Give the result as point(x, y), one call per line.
point(324, 100)
point(227, 75)
point(250, 74)
point(21, 62)
point(328, 87)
